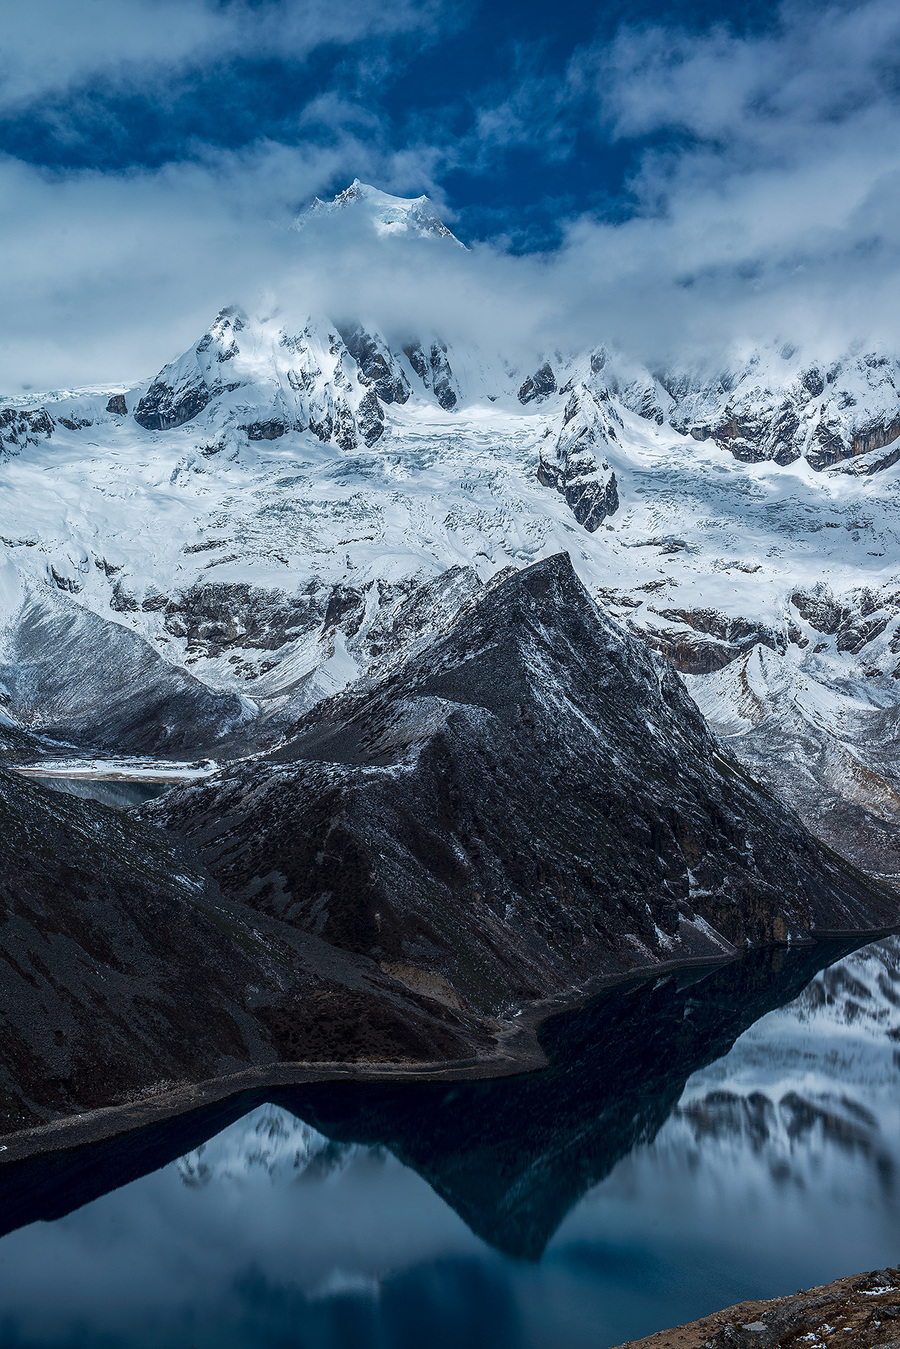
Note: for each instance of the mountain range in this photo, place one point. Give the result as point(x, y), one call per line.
point(513, 675)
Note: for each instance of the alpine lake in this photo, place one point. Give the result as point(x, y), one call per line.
point(697, 1139)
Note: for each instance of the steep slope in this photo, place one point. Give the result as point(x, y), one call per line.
point(531, 800)
point(68, 674)
point(824, 745)
point(123, 972)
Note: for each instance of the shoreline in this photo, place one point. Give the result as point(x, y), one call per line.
point(517, 1051)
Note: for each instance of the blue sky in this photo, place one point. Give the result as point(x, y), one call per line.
point(475, 96)
point(691, 173)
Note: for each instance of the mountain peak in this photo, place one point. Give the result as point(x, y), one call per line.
point(389, 215)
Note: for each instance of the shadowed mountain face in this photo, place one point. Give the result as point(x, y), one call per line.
point(511, 1157)
point(123, 972)
point(529, 801)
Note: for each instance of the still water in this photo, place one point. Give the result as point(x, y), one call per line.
point(120, 793)
point(688, 1147)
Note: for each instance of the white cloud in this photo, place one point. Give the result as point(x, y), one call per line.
point(776, 216)
point(50, 46)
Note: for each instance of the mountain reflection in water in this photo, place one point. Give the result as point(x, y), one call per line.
point(654, 1174)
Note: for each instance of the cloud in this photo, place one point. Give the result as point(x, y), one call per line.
point(765, 200)
point(763, 204)
point(53, 46)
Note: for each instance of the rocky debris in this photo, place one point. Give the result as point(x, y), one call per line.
point(529, 800)
point(123, 971)
point(20, 427)
point(117, 405)
point(861, 1312)
point(539, 385)
point(590, 489)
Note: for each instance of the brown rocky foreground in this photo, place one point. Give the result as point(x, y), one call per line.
point(858, 1312)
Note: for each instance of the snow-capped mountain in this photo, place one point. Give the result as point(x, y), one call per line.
point(387, 215)
point(291, 500)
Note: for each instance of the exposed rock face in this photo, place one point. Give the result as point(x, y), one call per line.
point(539, 385)
point(377, 365)
point(590, 489)
point(180, 393)
point(117, 405)
point(771, 407)
point(433, 368)
point(719, 640)
point(530, 800)
point(370, 418)
point(20, 427)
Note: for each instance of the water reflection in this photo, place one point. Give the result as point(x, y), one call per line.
point(657, 1170)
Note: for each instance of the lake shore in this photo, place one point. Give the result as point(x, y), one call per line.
point(517, 1050)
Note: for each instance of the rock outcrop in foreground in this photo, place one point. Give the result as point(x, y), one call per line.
point(529, 801)
point(860, 1312)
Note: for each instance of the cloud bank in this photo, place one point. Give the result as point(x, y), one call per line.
point(762, 203)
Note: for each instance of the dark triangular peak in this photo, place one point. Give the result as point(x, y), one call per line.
point(530, 801)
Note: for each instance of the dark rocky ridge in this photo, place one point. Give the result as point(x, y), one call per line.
point(123, 972)
point(530, 801)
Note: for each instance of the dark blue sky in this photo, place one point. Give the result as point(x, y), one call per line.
point(550, 156)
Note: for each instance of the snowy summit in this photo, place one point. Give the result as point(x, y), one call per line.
point(406, 216)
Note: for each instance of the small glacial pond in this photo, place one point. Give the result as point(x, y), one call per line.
point(115, 792)
point(697, 1140)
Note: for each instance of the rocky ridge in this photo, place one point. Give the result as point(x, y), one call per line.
point(528, 801)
